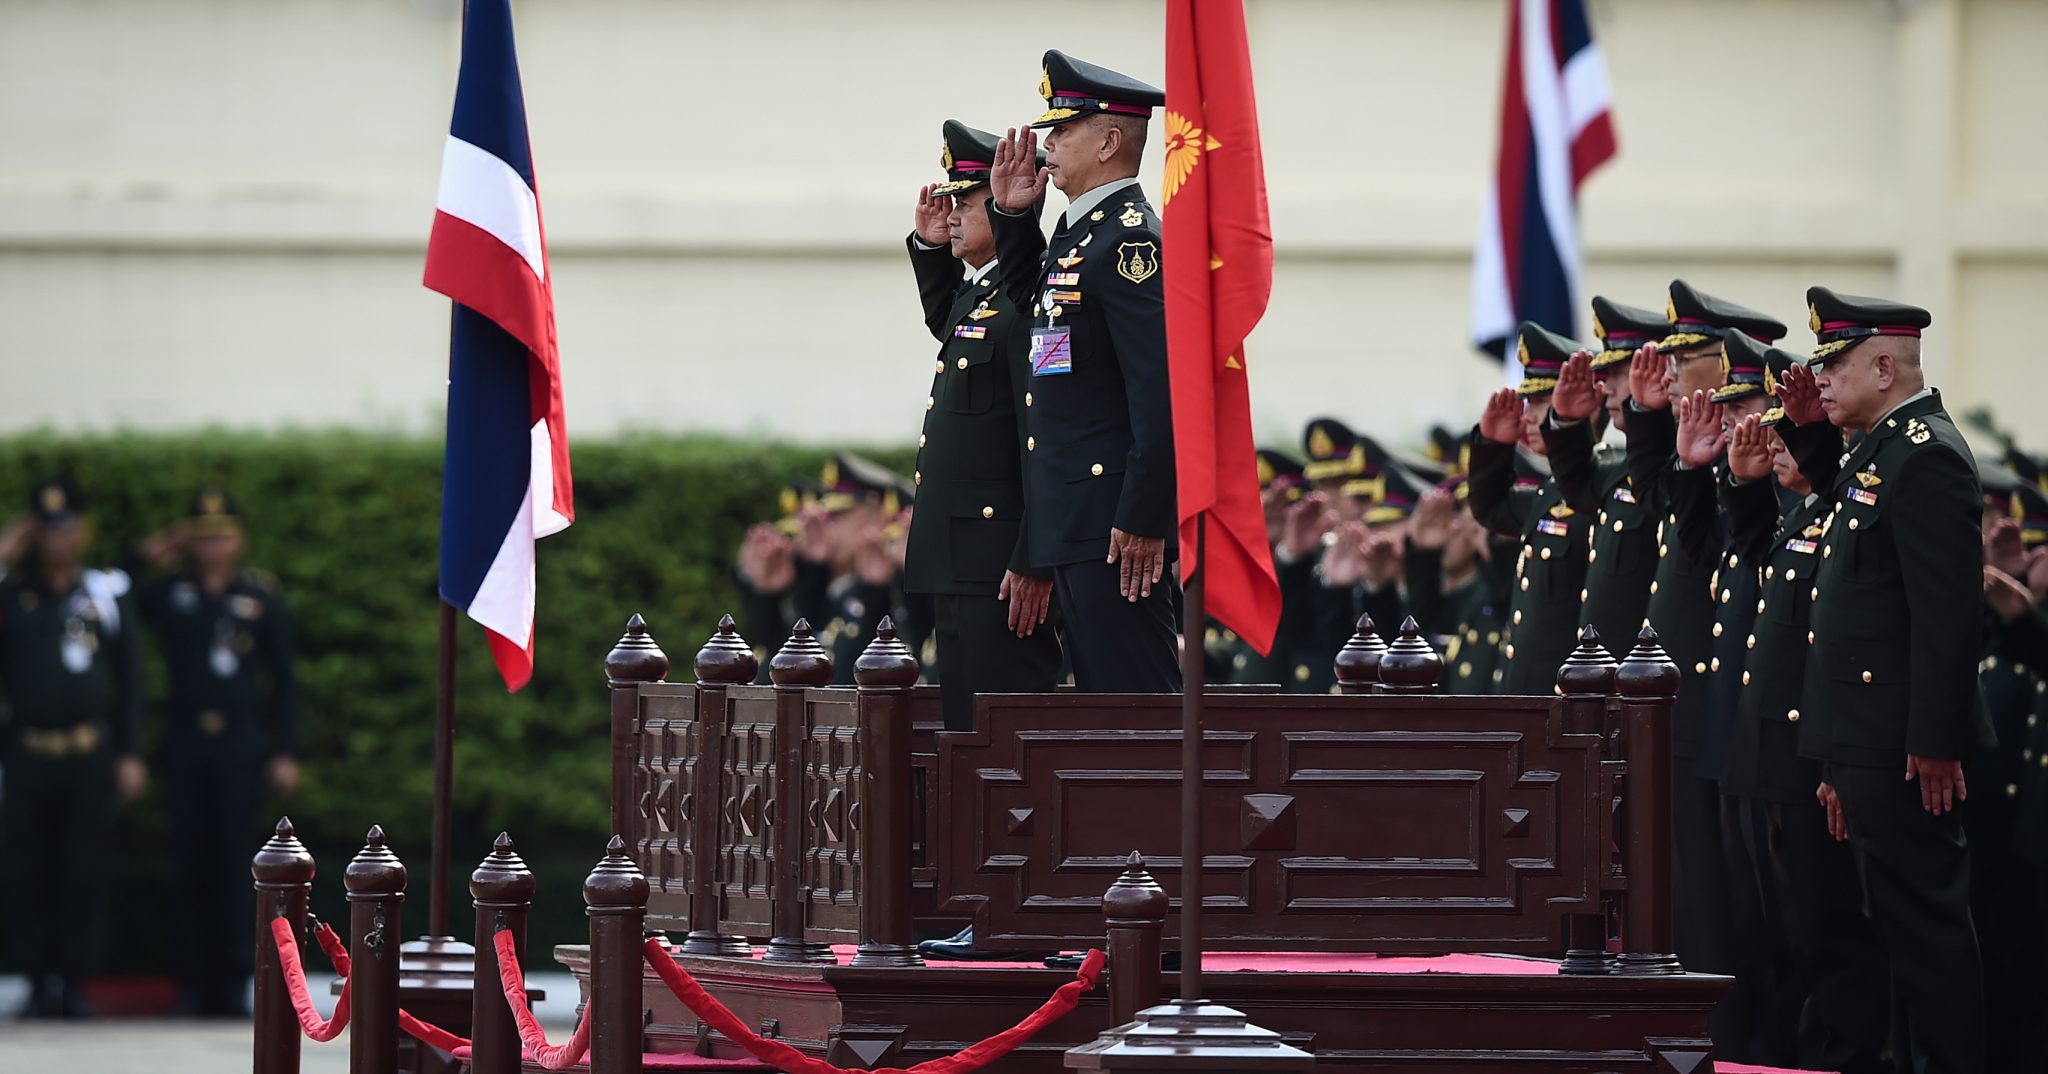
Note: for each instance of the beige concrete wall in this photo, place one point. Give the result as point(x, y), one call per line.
point(212, 211)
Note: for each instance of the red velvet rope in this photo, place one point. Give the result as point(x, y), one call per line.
point(787, 1059)
point(547, 1056)
point(295, 985)
point(432, 1036)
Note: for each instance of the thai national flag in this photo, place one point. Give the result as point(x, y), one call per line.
point(506, 478)
point(1555, 128)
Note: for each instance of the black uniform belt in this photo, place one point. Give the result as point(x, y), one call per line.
point(53, 742)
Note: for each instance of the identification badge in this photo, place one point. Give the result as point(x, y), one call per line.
point(1052, 351)
point(1864, 496)
point(1552, 527)
point(970, 331)
point(1798, 544)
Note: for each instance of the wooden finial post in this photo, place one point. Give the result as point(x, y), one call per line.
point(502, 892)
point(1410, 665)
point(885, 672)
point(615, 898)
point(1358, 662)
point(801, 664)
point(1647, 682)
point(284, 877)
point(725, 661)
point(375, 880)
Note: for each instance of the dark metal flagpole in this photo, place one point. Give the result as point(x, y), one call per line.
point(1193, 618)
point(444, 773)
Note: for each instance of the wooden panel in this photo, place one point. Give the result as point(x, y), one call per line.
point(665, 762)
point(746, 836)
point(1423, 824)
point(830, 781)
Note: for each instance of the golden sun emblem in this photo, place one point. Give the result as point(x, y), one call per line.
point(946, 156)
point(1185, 144)
point(1813, 318)
point(1045, 83)
point(1770, 381)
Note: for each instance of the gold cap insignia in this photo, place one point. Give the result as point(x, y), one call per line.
point(1670, 310)
point(1320, 445)
point(1522, 351)
point(1045, 83)
point(831, 474)
point(1813, 318)
point(212, 503)
point(1727, 363)
point(2019, 509)
point(1770, 381)
point(946, 156)
point(1266, 473)
point(789, 501)
point(1599, 330)
point(53, 499)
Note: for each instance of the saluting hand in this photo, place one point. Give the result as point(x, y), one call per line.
point(1015, 180)
point(1701, 440)
point(930, 216)
point(1576, 397)
point(1142, 561)
point(1749, 450)
point(2008, 596)
point(1646, 378)
point(1301, 532)
point(1029, 598)
point(1800, 396)
point(1941, 782)
point(1430, 526)
point(1501, 421)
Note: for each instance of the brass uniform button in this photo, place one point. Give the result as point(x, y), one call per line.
point(1700, 668)
point(1745, 678)
point(917, 477)
point(1791, 574)
point(1717, 630)
point(1465, 669)
point(963, 363)
point(1301, 673)
point(1751, 643)
point(1759, 606)
point(1493, 637)
point(1854, 522)
point(1509, 650)
point(930, 402)
point(988, 512)
point(1582, 596)
point(1827, 551)
point(1617, 525)
point(1866, 676)
point(1809, 637)
point(1769, 571)
point(1031, 443)
point(1592, 555)
point(1663, 549)
point(1518, 617)
point(938, 366)
point(1792, 715)
point(1027, 398)
point(1734, 560)
point(1653, 587)
point(2012, 790)
point(1714, 665)
point(1814, 594)
point(1525, 585)
point(1096, 469)
point(1546, 553)
point(1724, 596)
point(920, 440)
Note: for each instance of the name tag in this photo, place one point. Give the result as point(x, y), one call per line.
point(1052, 351)
point(1864, 497)
point(1797, 544)
point(970, 331)
point(1552, 527)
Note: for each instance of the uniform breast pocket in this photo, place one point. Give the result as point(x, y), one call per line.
point(1624, 541)
point(1863, 544)
point(973, 380)
point(1093, 491)
point(1871, 681)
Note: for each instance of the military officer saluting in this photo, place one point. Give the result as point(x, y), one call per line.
point(1897, 614)
point(1098, 456)
point(967, 547)
point(71, 688)
point(231, 719)
point(1551, 567)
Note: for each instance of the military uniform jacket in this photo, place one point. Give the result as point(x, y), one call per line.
point(228, 658)
point(1623, 558)
point(1099, 437)
point(1898, 602)
point(1543, 606)
point(1681, 605)
point(2010, 674)
point(1763, 754)
point(1735, 585)
point(72, 662)
point(1463, 622)
point(968, 527)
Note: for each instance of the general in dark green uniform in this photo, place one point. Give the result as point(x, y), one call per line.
point(231, 715)
point(1456, 577)
point(1098, 463)
point(1897, 613)
point(1550, 569)
point(967, 549)
point(70, 686)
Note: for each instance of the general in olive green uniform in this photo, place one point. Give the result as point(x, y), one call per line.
point(1098, 415)
point(232, 706)
point(1897, 615)
point(1464, 619)
point(71, 689)
point(968, 526)
point(1551, 566)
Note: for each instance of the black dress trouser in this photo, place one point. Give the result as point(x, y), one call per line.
point(1118, 646)
point(55, 841)
point(978, 654)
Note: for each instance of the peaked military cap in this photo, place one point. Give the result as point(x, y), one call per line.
point(1621, 330)
point(1842, 321)
point(850, 480)
point(1695, 317)
point(967, 154)
point(1777, 362)
point(1075, 88)
point(1449, 450)
point(2030, 510)
point(1542, 353)
point(1744, 365)
point(213, 511)
point(1333, 450)
point(1395, 493)
point(55, 500)
point(2026, 466)
point(1279, 470)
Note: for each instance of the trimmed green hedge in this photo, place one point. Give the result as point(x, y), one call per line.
point(348, 523)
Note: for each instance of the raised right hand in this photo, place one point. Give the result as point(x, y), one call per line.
point(1501, 421)
point(1749, 450)
point(1800, 397)
point(1576, 397)
point(1302, 531)
point(1430, 526)
point(1015, 180)
point(1646, 378)
point(930, 216)
point(1701, 439)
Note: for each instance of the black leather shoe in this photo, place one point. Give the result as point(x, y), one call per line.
point(949, 947)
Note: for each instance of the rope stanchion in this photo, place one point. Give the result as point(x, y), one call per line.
point(310, 1022)
point(426, 1033)
point(546, 1056)
point(790, 1061)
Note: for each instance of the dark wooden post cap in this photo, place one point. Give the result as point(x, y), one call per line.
point(615, 885)
point(1410, 665)
point(1648, 670)
point(801, 661)
point(887, 663)
point(502, 877)
point(1358, 662)
point(375, 872)
point(1135, 898)
point(282, 860)
point(1589, 670)
point(636, 658)
point(727, 658)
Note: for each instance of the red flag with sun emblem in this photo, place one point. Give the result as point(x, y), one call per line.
point(1218, 260)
